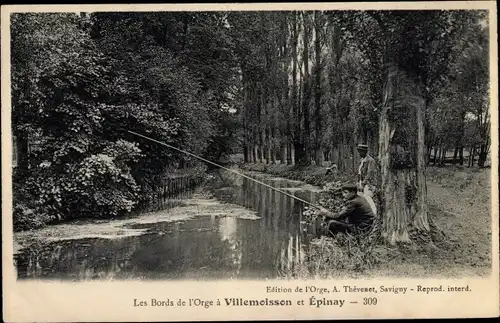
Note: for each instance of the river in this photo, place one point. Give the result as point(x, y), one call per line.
point(244, 230)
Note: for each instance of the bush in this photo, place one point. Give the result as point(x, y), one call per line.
point(98, 185)
point(25, 217)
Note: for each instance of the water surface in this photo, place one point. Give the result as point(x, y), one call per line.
point(247, 231)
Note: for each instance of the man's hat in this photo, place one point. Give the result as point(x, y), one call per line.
point(362, 147)
point(350, 187)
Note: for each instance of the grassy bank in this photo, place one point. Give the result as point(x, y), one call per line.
point(459, 203)
point(313, 175)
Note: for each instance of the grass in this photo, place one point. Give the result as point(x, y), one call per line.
point(314, 175)
point(343, 256)
point(459, 200)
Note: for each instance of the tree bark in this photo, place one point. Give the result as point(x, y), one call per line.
point(297, 142)
point(305, 156)
point(403, 187)
point(421, 221)
point(317, 88)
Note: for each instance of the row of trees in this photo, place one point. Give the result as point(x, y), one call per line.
point(313, 81)
point(300, 87)
point(317, 83)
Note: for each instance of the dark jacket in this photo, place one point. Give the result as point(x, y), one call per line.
point(357, 212)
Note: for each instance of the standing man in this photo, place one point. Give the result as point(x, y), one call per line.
point(367, 176)
point(366, 171)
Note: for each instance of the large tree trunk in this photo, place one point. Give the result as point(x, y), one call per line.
point(306, 95)
point(297, 134)
point(402, 167)
point(421, 221)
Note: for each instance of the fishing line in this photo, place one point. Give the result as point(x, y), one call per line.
point(225, 168)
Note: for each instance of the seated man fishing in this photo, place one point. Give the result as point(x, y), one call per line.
point(357, 216)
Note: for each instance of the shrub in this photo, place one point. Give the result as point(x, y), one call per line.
point(98, 185)
point(25, 217)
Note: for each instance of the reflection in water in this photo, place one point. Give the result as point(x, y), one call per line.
point(206, 247)
point(228, 227)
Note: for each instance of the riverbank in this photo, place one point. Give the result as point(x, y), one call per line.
point(95, 201)
point(314, 175)
point(459, 202)
point(134, 225)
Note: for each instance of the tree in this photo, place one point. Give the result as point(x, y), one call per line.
point(318, 25)
point(59, 90)
point(402, 46)
point(79, 80)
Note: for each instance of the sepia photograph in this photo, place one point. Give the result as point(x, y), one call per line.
point(246, 145)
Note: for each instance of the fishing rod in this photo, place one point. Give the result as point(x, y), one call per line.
point(225, 168)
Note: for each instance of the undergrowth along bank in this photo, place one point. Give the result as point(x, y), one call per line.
point(95, 195)
point(314, 175)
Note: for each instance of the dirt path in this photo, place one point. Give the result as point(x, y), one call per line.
point(464, 196)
